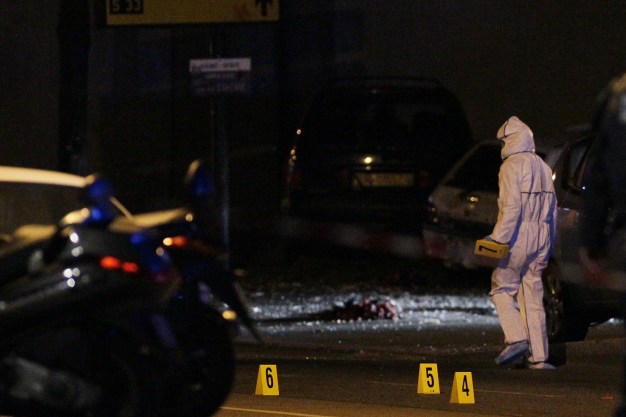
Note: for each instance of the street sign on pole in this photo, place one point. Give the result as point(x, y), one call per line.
point(174, 12)
point(216, 76)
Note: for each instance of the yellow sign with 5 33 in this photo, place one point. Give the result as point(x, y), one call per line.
point(173, 12)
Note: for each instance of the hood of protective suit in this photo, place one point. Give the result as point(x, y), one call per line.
point(517, 137)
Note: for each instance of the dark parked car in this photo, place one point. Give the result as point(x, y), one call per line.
point(576, 305)
point(371, 150)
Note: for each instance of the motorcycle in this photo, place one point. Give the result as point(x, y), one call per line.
point(117, 315)
point(85, 310)
point(206, 310)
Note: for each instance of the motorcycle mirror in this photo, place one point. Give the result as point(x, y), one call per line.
point(201, 193)
point(199, 181)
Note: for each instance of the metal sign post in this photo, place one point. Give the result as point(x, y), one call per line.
point(215, 77)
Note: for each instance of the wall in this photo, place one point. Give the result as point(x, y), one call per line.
point(29, 77)
point(544, 61)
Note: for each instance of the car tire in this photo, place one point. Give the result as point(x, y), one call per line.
point(565, 321)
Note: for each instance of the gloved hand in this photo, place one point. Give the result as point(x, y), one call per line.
point(488, 237)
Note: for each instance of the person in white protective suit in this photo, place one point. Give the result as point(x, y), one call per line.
point(527, 223)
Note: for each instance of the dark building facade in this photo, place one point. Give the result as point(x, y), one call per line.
point(544, 62)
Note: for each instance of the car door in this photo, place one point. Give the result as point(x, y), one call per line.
point(569, 184)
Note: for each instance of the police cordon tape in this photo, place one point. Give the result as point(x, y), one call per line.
point(360, 237)
point(353, 236)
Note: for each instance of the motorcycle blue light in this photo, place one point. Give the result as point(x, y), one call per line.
point(96, 214)
point(137, 238)
point(99, 192)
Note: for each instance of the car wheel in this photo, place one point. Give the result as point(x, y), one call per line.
point(564, 320)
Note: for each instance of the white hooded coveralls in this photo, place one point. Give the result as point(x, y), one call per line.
point(527, 222)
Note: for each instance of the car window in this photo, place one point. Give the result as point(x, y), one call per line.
point(585, 166)
point(22, 203)
point(390, 118)
point(574, 163)
point(479, 172)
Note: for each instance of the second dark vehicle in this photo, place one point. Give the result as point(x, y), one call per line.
point(370, 150)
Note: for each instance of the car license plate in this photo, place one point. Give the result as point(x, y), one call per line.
point(382, 179)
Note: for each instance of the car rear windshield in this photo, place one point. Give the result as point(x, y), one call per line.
point(394, 117)
point(479, 172)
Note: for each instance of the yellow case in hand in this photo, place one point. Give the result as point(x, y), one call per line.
point(491, 249)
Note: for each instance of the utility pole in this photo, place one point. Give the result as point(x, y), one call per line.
point(74, 44)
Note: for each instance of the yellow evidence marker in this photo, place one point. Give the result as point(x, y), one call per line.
point(462, 388)
point(428, 379)
point(267, 380)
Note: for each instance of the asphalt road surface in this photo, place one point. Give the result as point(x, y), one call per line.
point(373, 376)
point(332, 365)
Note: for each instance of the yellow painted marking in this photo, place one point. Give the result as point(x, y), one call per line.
point(282, 413)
